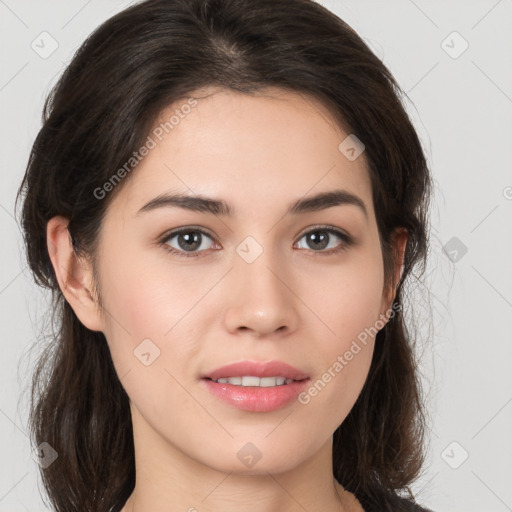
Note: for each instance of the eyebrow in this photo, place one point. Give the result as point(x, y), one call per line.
point(205, 204)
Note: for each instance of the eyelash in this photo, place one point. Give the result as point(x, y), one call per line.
point(346, 240)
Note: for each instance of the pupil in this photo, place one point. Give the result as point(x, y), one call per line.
point(192, 240)
point(320, 240)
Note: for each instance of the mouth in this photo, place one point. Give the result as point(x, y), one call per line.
point(256, 398)
point(254, 386)
point(254, 381)
point(245, 373)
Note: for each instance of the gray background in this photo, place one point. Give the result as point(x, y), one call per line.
point(461, 105)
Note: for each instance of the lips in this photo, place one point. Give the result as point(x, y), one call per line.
point(257, 369)
point(256, 399)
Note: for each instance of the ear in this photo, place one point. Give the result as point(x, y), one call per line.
point(74, 274)
point(399, 243)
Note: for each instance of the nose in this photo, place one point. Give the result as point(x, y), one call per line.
point(261, 298)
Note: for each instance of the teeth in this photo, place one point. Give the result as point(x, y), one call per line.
point(249, 380)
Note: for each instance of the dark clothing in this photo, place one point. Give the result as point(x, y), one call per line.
point(394, 505)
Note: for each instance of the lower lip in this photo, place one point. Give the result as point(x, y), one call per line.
point(256, 399)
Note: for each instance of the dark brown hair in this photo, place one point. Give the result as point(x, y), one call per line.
point(101, 110)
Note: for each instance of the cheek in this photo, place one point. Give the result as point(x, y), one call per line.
point(346, 298)
point(348, 302)
point(147, 336)
point(156, 302)
point(149, 299)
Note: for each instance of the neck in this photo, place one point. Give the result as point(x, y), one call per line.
point(169, 479)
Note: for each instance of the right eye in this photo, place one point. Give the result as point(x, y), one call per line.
point(187, 242)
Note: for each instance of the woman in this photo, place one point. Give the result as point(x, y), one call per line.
point(226, 198)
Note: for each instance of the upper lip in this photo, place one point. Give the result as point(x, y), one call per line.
point(257, 369)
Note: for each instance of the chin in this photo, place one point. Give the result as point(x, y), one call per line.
point(257, 458)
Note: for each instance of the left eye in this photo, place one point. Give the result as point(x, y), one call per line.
point(190, 240)
point(321, 238)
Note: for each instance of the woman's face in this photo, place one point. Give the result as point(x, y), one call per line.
point(262, 282)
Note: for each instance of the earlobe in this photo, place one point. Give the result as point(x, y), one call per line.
point(73, 273)
point(399, 243)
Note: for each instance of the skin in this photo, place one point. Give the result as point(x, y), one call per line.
point(260, 154)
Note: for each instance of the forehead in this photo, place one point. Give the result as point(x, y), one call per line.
point(254, 151)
